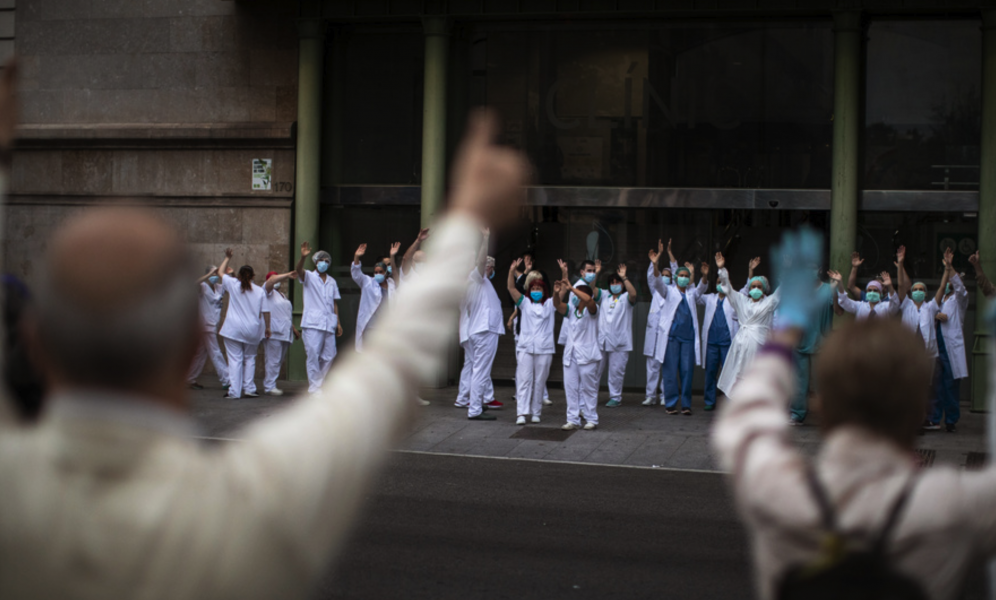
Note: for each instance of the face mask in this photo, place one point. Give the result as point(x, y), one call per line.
point(947, 289)
point(667, 280)
point(574, 301)
point(919, 295)
point(589, 277)
point(615, 288)
point(276, 286)
point(214, 279)
point(491, 276)
point(719, 288)
point(389, 269)
point(756, 293)
point(322, 266)
point(683, 281)
point(536, 295)
point(379, 277)
point(873, 297)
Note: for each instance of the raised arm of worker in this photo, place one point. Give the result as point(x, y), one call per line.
point(406, 260)
point(957, 285)
point(852, 277)
point(939, 296)
point(987, 287)
point(903, 283)
point(482, 254)
point(207, 275)
point(672, 259)
point(703, 285)
point(305, 251)
point(843, 300)
point(395, 268)
point(272, 281)
point(654, 280)
point(584, 300)
point(512, 290)
point(298, 477)
point(630, 288)
point(223, 267)
point(559, 288)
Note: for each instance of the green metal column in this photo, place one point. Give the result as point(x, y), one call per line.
point(987, 206)
point(846, 131)
point(307, 172)
point(434, 117)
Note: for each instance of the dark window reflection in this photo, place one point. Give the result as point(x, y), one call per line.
point(923, 108)
point(382, 108)
point(696, 105)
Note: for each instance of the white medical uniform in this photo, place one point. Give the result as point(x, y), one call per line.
point(515, 384)
point(615, 338)
point(371, 296)
point(862, 310)
point(319, 324)
point(921, 320)
point(210, 302)
point(655, 385)
point(242, 332)
point(581, 359)
point(276, 346)
point(534, 354)
point(672, 298)
point(955, 307)
point(483, 326)
point(709, 302)
point(755, 322)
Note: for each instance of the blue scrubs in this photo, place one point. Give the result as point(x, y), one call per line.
point(811, 339)
point(947, 389)
point(717, 347)
point(679, 358)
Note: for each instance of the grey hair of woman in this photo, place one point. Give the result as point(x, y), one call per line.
point(320, 256)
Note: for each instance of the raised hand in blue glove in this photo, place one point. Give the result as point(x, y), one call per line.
point(796, 262)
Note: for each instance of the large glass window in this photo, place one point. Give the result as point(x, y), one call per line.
point(382, 108)
point(923, 107)
point(675, 105)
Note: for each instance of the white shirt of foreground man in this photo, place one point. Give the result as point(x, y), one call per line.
point(107, 499)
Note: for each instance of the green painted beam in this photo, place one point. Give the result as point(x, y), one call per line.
point(434, 118)
point(307, 172)
point(987, 208)
point(844, 184)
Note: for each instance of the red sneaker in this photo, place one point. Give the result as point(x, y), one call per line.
point(494, 405)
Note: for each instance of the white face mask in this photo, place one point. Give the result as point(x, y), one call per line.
point(276, 285)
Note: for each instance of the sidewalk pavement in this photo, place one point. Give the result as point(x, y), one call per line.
point(631, 434)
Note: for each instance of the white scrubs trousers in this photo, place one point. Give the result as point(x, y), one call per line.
point(655, 387)
point(276, 352)
point(466, 373)
point(209, 347)
point(319, 350)
point(531, 371)
point(616, 363)
point(581, 388)
point(241, 367)
point(483, 347)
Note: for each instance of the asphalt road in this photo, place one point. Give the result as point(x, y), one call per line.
point(456, 527)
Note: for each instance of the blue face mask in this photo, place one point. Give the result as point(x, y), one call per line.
point(379, 277)
point(919, 296)
point(683, 281)
point(389, 269)
point(756, 293)
point(536, 295)
point(276, 285)
point(947, 289)
point(589, 277)
point(575, 301)
point(719, 288)
point(667, 279)
point(214, 279)
point(322, 266)
point(873, 297)
point(492, 275)
point(616, 288)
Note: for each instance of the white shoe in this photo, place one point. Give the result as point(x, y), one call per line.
point(569, 427)
point(250, 395)
point(521, 420)
point(589, 426)
point(663, 402)
point(650, 401)
point(547, 402)
point(275, 392)
point(422, 401)
point(535, 419)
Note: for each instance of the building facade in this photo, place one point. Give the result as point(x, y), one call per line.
point(717, 124)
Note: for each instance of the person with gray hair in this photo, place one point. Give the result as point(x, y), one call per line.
point(376, 292)
point(109, 495)
point(211, 298)
point(320, 319)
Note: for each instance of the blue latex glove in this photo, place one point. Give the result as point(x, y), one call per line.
point(795, 263)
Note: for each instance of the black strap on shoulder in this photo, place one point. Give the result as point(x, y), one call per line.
point(827, 514)
point(897, 510)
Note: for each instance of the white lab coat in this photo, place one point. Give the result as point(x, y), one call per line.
point(565, 324)
point(483, 307)
point(653, 317)
point(710, 301)
point(754, 320)
point(955, 307)
point(319, 302)
point(615, 322)
point(582, 340)
point(921, 320)
point(281, 312)
point(672, 298)
point(244, 320)
point(370, 298)
point(536, 330)
point(861, 309)
point(210, 302)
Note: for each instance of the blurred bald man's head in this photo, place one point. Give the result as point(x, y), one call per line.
point(116, 304)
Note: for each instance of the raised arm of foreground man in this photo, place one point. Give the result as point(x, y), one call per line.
point(107, 498)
